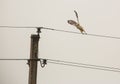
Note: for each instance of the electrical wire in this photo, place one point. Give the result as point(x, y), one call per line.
point(68, 63)
point(61, 31)
point(85, 67)
point(18, 59)
point(18, 27)
point(74, 64)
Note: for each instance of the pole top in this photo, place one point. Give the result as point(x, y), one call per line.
point(38, 30)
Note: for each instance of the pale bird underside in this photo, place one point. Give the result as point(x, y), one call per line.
point(76, 24)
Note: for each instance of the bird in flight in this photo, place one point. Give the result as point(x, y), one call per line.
point(77, 24)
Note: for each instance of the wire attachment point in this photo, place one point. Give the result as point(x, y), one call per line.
point(28, 62)
point(43, 62)
point(39, 30)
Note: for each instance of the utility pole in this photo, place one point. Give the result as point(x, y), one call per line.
point(33, 57)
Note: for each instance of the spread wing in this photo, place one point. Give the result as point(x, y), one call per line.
point(72, 22)
point(77, 16)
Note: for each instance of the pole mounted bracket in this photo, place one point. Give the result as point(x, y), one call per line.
point(43, 62)
point(39, 30)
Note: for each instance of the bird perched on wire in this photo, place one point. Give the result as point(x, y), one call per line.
point(77, 24)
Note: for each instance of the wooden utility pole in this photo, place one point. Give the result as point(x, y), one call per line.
point(33, 58)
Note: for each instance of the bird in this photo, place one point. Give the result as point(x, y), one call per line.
point(77, 24)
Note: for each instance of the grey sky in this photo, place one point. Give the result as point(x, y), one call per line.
point(96, 16)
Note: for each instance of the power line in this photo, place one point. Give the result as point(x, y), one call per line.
point(18, 59)
point(86, 67)
point(83, 34)
point(18, 27)
point(68, 63)
point(75, 64)
point(60, 31)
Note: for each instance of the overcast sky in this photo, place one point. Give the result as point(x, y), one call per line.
point(100, 17)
